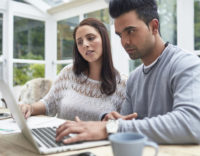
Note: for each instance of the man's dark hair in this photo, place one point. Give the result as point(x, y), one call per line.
point(146, 9)
point(108, 72)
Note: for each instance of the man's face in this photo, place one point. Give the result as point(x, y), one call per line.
point(136, 37)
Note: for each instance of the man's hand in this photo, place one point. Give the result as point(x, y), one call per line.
point(91, 130)
point(116, 115)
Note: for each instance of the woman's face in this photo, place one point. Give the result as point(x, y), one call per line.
point(89, 43)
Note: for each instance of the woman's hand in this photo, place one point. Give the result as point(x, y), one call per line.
point(26, 110)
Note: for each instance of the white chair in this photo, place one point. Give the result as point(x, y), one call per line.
point(34, 90)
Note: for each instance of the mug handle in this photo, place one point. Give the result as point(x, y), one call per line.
point(154, 145)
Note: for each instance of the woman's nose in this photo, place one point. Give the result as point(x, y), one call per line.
point(85, 43)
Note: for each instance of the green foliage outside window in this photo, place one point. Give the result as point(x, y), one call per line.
point(60, 67)
point(133, 64)
point(102, 15)
point(28, 44)
point(197, 24)
point(65, 39)
point(28, 38)
point(25, 72)
point(1, 24)
point(168, 20)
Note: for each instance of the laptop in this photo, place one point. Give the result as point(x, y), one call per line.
point(43, 138)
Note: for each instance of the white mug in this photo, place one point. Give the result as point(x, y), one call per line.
point(130, 144)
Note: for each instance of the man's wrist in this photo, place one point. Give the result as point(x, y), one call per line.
point(112, 126)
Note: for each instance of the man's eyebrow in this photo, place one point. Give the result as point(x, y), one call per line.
point(129, 27)
point(125, 29)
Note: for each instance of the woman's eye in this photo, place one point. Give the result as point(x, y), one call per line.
point(91, 38)
point(80, 42)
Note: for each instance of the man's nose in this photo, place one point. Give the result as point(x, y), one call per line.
point(125, 40)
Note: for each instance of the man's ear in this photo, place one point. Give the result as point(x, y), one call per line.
point(154, 24)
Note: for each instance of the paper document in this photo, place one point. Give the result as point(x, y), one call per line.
point(9, 126)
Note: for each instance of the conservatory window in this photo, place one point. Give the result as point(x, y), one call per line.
point(65, 40)
point(197, 24)
point(1, 32)
point(28, 49)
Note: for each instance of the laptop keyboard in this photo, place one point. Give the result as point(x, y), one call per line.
point(47, 136)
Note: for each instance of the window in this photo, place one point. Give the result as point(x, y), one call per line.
point(65, 38)
point(24, 72)
point(1, 70)
point(28, 46)
point(102, 15)
point(65, 41)
point(197, 24)
point(60, 67)
point(168, 24)
point(133, 64)
point(28, 39)
point(1, 31)
point(20, 1)
point(53, 2)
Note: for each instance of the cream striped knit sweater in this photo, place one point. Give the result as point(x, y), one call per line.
point(72, 96)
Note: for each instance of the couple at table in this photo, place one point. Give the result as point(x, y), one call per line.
point(159, 100)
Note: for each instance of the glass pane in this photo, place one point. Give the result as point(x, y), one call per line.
point(133, 64)
point(60, 67)
point(65, 37)
point(197, 24)
point(20, 1)
point(168, 22)
point(24, 72)
point(1, 70)
point(53, 2)
point(28, 39)
point(1, 33)
point(102, 15)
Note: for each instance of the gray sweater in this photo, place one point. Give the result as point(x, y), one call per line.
point(166, 99)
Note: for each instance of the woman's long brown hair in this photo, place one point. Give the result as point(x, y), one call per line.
point(108, 72)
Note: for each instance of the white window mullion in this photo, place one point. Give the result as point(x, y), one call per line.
point(50, 48)
point(28, 61)
point(8, 44)
point(185, 24)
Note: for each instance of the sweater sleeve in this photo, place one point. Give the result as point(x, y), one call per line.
point(52, 98)
point(181, 125)
point(127, 105)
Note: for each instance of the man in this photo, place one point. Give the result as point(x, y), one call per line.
point(164, 90)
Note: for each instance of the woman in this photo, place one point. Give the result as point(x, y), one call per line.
point(91, 86)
